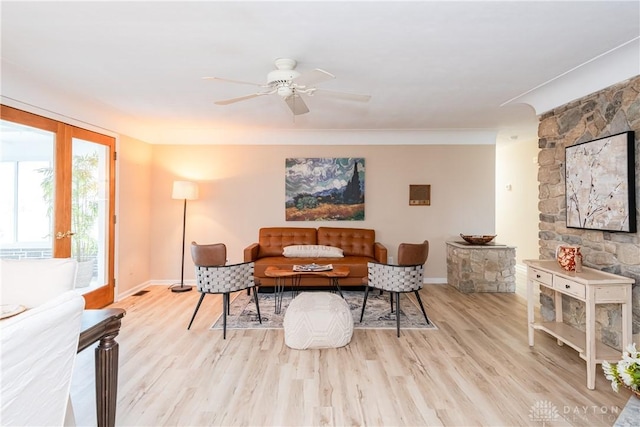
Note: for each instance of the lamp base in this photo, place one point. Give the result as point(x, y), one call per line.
point(181, 288)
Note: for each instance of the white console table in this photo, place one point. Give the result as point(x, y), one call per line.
point(592, 287)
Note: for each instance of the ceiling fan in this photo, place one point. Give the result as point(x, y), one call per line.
point(289, 84)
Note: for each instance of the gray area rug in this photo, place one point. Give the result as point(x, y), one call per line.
point(377, 314)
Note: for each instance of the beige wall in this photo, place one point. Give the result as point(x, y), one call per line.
point(517, 208)
point(242, 189)
point(134, 210)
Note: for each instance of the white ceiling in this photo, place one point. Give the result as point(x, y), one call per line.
point(428, 65)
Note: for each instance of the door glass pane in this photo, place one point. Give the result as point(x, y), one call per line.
point(26, 194)
point(89, 212)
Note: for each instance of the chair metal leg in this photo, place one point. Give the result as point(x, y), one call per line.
point(255, 296)
point(225, 301)
point(397, 312)
point(391, 300)
point(422, 307)
point(364, 302)
point(202, 294)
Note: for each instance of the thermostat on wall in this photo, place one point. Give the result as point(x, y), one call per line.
point(419, 195)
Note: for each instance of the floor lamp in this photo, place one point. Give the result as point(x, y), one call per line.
point(185, 190)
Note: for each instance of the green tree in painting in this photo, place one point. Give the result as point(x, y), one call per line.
point(352, 193)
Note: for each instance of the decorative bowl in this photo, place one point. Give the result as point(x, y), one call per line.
point(477, 240)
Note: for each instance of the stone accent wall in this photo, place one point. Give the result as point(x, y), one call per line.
point(607, 112)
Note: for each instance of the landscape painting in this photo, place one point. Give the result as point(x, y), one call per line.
point(324, 189)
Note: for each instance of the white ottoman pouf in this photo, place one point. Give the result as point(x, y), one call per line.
point(317, 320)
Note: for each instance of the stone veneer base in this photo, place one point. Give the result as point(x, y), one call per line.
point(481, 268)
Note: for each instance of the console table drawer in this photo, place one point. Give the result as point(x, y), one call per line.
point(540, 276)
point(569, 287)
point(611, 294)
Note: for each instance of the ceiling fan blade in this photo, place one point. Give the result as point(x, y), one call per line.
point(313, 77)
point(343, 95)
point(234, 81)
point(296, 104)
point(240, 98)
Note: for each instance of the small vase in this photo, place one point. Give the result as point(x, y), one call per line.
point(567, 255)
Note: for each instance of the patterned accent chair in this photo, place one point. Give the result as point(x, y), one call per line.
point(407, 276)
point(214, 277)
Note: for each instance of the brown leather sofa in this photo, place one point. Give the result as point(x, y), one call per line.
point(358, 245)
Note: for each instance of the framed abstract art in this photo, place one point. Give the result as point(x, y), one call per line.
point(600, 184)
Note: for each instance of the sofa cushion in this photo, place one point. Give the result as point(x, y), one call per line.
point(32, 282)
point(312, 251)
point(272, 240)
point(353, 241)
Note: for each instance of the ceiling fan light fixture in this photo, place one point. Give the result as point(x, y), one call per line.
point(285, 91)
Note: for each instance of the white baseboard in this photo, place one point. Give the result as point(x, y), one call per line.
point(132, 291)
point(191, 282)
point(141, 286)
point(435, 280)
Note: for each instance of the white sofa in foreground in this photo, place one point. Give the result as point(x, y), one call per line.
point(39, 349)
point(39, 345)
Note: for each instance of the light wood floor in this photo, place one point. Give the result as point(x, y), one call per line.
point(476, 369)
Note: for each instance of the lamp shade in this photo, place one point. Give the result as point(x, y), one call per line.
point(185, 190)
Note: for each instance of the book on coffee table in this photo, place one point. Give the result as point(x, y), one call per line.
point(313, 267)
